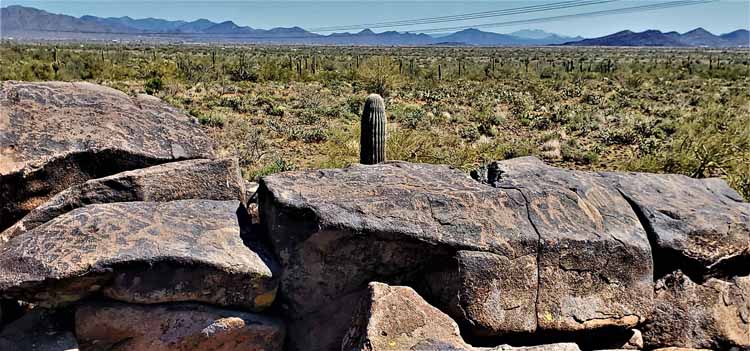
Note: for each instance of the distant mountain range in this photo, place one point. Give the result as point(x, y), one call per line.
point(26, 23)
point(698, 37)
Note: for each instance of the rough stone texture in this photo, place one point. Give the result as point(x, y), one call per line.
point(397, 318)
point(175, 327)
point(490, 293)
point(635, 342)
point(191, 179)
point(336, 230)
point(550, 347)
point(144, 252)
point(714, 315)
point(700, 226)
point(38, 330)
point(595, 265)
point(54, 135)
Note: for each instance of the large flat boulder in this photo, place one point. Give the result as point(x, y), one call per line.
point(143, 252)
point(700, 226)
point(54, 135)
point(174, 327)
point(595, 265)
point(336, 230)
point(712, 315)
point(182, 180)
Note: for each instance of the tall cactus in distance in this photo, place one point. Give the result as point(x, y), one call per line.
point(373, 131)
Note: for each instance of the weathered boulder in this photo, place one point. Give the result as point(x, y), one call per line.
point(143, 252)
point(470, 248)
point(54, 135)
point(595, 266)
point(713, 315)
point(190, 179)
point(700, 226)
point(397, 318)
point(491, 294)
point(38, 330)
point(564, 346)
point(174, 327)
point(336, 230)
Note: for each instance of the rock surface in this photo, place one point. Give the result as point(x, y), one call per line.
point(191, 179)
point(491, 293)
point(39, 330)
point(54, 135)
point(595, 266)
point(713, 315)
point(397, 318)
point(144, 252)
point(175, 327)
point(336, 230)
point(700, 226)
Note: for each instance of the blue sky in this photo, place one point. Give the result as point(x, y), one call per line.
point(718, 17)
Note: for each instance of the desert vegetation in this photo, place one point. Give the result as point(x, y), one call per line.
point(279, 108)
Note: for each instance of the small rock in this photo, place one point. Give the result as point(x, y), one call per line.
point(397, 318)
point(175, 327)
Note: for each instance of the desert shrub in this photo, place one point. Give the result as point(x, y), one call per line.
point(378, 75)
point(278, 165)
point(411, 116)
point(153, 86)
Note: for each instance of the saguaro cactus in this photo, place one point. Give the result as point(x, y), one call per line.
point(373, 134)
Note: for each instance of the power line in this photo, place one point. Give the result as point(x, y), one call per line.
point(466, 16)
point(313, 36)
point(633, 9)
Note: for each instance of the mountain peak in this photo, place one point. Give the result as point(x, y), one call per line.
point(699, 30)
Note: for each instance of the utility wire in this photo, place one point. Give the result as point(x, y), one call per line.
point(466, 16)
point(313, 36)
point(641, 8)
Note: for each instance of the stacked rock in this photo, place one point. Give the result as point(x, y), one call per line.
point(121, 230)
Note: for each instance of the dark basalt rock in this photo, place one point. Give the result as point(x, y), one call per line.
point(471, 248)
point(54, 135)
point(174, 327)
point(38, 330)
point(191, 179)
point(713, 315)
point(595, 265)
point(492, 294)
point(397, 318)
point(144, 252)
point(700, 226)
point(336, 230)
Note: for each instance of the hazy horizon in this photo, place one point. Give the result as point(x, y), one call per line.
point(717, 17)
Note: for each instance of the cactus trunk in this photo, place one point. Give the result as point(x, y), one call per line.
point(373, 134)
